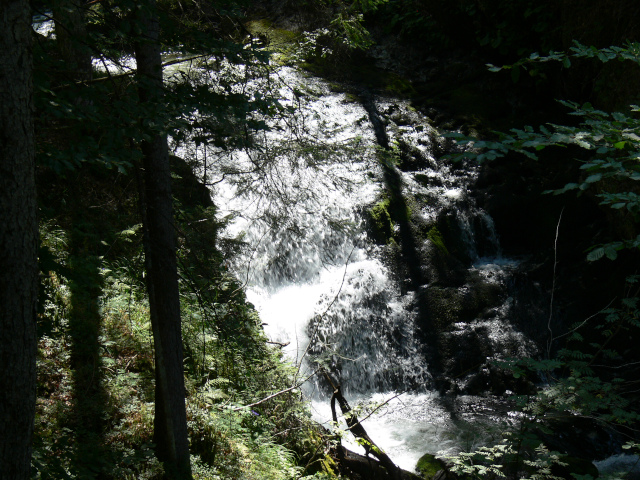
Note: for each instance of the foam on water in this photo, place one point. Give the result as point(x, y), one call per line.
point(408, 425)
point(44, 25)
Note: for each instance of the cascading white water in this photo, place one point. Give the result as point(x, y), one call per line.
point(319, 284)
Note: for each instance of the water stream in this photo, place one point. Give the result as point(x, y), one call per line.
point(324, 289)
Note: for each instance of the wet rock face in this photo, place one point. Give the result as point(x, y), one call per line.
point(445, 249)
point(475, 299)
point(453, 237)
point(473, 329)
point(468, 346)
point(496, 381)
point(510, 190)
point(552, 229)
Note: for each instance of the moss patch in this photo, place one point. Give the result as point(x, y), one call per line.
point(275, 35)
point(280, 41)
point(351, 98)
point(436, 238)
point(428, 466)
point(381, 223)
point(398, 85)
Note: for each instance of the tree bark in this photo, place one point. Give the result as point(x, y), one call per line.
point(170, 423)
point(71, 38)
point(85, 285)
point(18, 243)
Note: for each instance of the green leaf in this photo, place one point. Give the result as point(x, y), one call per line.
point(566, 188)
point(595, 254)
point(596, 177)
point(610, 252)
point(619, 117)
point(566, 62)
point(620, 145)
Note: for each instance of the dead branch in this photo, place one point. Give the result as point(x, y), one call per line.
point(358, 430)
point(298, 385)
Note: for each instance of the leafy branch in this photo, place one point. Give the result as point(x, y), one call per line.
point(612, 140)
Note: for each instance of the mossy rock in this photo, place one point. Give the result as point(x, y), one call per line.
point(427, 180)
point(265, 28)
point(399, 85)
point(429, 465)
point(444, 305)
point(351, 98)
point(277, 40)
point(381, 222)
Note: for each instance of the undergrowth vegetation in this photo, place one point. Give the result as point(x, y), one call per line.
point(99, 424)
point(96, 397)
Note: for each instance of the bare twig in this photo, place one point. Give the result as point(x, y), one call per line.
point(626, 365)
point(582, 324)
point(280, 344)
point(553, 284)
point(281, 392)
point(378, 407)
point(319, 317)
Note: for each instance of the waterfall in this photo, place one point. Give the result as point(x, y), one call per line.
point(328, 292)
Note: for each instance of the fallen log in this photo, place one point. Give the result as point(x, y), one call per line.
point(360, 467)
point(364, 465)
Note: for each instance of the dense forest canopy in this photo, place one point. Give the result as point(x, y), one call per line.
point(128, 348)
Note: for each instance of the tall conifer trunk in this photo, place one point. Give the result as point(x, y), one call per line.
point(170, 423)
point(18, 243)
point(71, 38)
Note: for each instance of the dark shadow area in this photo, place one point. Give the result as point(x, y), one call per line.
point(89, 396)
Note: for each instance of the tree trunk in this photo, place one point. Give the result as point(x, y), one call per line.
point(18, 243)
point(170, 424)
point(71, 38)
point(85, 285)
